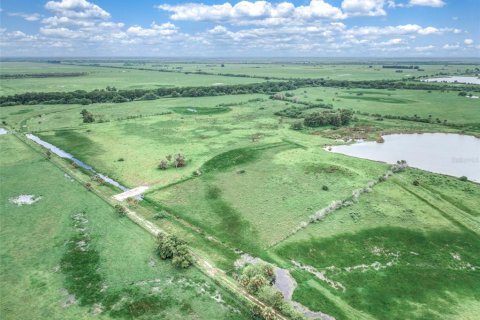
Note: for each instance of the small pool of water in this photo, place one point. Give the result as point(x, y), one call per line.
point(464, 79)
point(59, 152)
point(451, 154)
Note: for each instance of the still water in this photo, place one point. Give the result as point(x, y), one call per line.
point(59, 152)
point(469, 80)
point(451, 154)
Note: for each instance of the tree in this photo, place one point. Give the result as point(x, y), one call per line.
point(48, 154)
point(87, 116)
point(163, 165)
point(170, 247)
point(179, 160)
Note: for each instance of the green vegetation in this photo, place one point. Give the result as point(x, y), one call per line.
point(235, 158)
point(75, 258)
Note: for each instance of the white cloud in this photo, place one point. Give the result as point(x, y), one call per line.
point(424, 48)
point(26, 16)
point(77, 9)
point(468, 41)
point(364, 7)
point(57, 21)
point(393, 42)
point(406, 29)
point(155, 30)
point(451, 46)
point(267, 13)
point(427, 3)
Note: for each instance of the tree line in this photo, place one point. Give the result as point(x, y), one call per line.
point(42, 75)
point(268, 87)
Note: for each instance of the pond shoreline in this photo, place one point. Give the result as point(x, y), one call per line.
point(448, 154)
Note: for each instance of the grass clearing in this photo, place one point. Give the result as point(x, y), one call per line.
point(76, 258)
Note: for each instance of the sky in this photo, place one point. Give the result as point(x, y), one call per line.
point(229, 28)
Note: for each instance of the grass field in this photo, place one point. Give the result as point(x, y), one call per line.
point(338, 71)
point(100, 78)
point(250, 185)
point(442, 105)
point(41, 261)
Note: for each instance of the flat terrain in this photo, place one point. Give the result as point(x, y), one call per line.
point(100, 78)
point(75, 258)
point(390, 246)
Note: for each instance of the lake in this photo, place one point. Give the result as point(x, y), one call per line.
point(469, 80)
point(451, 154)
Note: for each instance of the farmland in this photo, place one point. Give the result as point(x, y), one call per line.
point(234, 174)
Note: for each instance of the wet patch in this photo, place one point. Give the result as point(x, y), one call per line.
point(24, 199)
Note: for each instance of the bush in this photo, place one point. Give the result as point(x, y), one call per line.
point(325, 188)
point(170, 247)
point(463, 178)
point(121, 210)
point(416, 183)
point(297, 125)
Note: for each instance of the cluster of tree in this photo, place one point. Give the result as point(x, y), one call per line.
point(178, 161)
point(42, 75)
point(87, 116)
point(258, 280)
point(170, 247)
point(298, 111)
point(338, 118)
point(400, 67)
point(267, 87)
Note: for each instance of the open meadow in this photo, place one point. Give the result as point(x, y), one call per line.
point(235, 172)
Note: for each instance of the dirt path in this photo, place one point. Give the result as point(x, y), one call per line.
point(218, 275)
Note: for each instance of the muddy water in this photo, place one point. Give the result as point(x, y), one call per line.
point(63, 154)
point(451, 154)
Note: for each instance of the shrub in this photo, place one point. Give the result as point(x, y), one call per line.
point(416, 183)
point(463, 178)
point(163, 165)
point(87, 116)
point(180, 160)
point(325, 188)
point(170, 247)
point(121, 210)
point(297, 125)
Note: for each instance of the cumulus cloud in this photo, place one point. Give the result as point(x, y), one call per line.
point(77, 9)
point(364, 7)
point(26, 16)
point(265, 12)
point(165, 29)
point(468, 41)
point(406, 29)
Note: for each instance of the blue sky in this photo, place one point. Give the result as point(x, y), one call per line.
point(210, 28)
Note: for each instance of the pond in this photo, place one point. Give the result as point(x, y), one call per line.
point(456, 79)
point(451, 154)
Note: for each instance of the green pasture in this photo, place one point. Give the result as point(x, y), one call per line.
point(45, 275)
point(100, 78)
point(401, 252)
point(337, 71)
point(437, 104)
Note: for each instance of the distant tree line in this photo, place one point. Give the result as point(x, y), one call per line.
point(268, 87)
point(400, 67)
point(42, 75)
